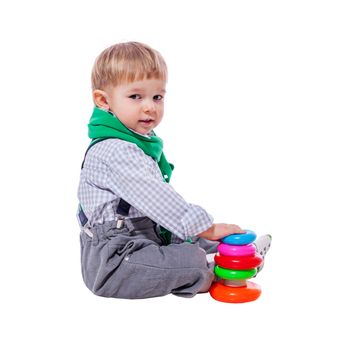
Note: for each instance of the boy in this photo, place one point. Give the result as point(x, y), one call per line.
point(139, 237)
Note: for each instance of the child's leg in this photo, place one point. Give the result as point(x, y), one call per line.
point(131, 263)
point(210, 247)
point(154, 270)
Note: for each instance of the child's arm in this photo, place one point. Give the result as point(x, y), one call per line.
point(218, 231)
point(137, 179)
point(123, 170)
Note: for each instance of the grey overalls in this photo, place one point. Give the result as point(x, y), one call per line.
point(128, 258)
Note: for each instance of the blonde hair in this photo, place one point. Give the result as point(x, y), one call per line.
point(126, 63)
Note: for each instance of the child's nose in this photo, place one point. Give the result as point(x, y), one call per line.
point(149, 106)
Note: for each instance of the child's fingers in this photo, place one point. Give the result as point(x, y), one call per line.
point(236, 229)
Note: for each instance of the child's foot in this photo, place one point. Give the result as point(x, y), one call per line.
point(262, 246)
point(210, 261)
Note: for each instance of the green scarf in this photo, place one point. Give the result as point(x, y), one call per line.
point(104, 125)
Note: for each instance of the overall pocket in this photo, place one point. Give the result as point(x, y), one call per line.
point(145, 228)
point(119, 242)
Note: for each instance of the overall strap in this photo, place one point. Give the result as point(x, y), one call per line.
point(122, 210)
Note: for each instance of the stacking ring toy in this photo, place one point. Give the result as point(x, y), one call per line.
point(235, 283)
point(238, 263)
point(240, 238)
point(228, 274)
point(236, 250)
point(229, 294)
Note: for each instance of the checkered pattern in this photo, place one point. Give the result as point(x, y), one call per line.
point(117, 169)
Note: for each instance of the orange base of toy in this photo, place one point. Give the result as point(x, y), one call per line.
point(228, 294)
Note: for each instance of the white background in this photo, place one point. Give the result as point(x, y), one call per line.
point(258, 124)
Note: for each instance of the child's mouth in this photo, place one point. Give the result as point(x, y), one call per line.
point(146, 122)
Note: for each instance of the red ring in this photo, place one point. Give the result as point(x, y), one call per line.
point(229, 294)
point(238, 262)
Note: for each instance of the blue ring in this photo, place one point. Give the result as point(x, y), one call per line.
point(240, 238)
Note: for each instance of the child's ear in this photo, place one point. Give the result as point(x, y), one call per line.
point(100, 99)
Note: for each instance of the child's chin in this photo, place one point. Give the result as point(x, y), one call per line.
point(143, 131)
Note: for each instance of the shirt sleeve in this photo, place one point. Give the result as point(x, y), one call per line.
point(135, 177)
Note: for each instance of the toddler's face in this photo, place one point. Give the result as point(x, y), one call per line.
point(138, 105)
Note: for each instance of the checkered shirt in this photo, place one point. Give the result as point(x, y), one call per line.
point(115, 169)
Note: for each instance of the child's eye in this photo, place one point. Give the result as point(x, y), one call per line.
point(135, 96)
point(158, 97)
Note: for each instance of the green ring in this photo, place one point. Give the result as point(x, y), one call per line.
point(228, 274)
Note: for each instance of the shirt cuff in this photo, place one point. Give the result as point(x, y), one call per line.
point(195, 221)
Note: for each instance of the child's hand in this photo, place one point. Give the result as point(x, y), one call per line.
point(218, 231)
